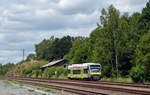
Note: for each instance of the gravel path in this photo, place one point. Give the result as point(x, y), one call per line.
point(7, 88)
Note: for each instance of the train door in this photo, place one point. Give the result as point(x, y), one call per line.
point(82, 72)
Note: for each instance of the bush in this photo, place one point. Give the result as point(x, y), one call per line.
point(37, 73)
point(25, 72)
point(59, 71)
point(30, 70)
point(54, 71)
point(137, 74)
point(46, 73)
point(4, 69)
point(35, 66)
point(65, 72)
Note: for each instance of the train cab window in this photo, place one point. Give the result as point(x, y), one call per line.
point(85, 71)
point(76, 71)
point(95, 68)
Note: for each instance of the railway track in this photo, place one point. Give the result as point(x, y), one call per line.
point(96, 82)
point(67, 89)
point(128, 88)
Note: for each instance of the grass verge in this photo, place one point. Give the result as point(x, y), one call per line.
point(120, 79)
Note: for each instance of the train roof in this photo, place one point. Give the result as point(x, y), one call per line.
point(84, 65)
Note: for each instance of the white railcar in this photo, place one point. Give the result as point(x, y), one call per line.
point(90, 71)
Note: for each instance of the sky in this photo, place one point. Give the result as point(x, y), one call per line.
point(24, 23)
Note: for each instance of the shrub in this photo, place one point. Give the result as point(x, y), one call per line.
point(65, 72)
point(137, 74)
point(54, 71)
point(59, 71)
point(36, 66)
point(46, 73)
point(37, 73)
point(25, 72)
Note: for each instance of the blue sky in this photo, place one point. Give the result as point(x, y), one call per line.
point(24, 23)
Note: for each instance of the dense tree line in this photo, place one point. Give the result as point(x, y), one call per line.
point(120, 43)
point(53, 48)
point(4, 69)
point(112, 43)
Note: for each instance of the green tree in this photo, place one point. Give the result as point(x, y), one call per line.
point(137, 73)
point(115, 41)
point(109, 36)
point(5, 69)
point(101, 50)
point(60, 47)
point(144, 22)
point(31, 56)
point(75, 46)
point(112, 43)
point(82, 54)
point(54, 48)
point(143, 53)
point(41, 49)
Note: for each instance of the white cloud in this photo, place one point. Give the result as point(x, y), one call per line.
point(24, 23)
point(1, 36)
point(8, 52)
point(130, 6)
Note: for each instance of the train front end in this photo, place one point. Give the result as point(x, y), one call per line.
point(95, 72)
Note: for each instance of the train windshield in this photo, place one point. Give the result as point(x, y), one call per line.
point(95, 68)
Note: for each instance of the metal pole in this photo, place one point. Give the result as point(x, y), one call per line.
point(23, 54)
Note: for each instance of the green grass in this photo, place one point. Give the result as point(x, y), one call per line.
point(60, 77)
point(147, 82)
point(40, 88)
point(48, 90)
point(15, 82)
point(6, 81)
point(30, 90)
point(120, 79)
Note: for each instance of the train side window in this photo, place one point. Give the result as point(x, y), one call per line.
point(76, 71)
point(68, 71)
point(85, 71)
